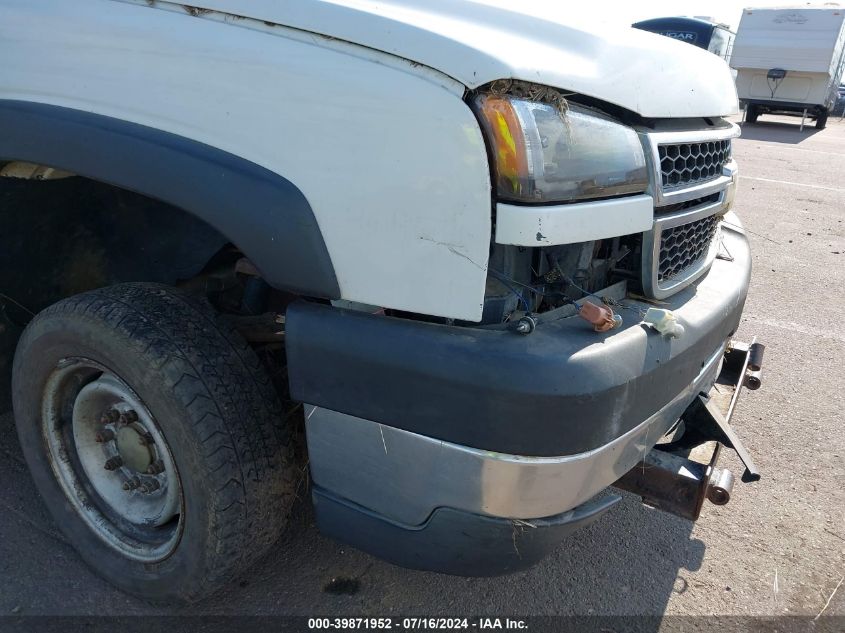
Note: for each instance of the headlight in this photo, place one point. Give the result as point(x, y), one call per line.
point(543, 155)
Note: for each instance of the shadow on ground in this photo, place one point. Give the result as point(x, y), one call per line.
point(778, 131)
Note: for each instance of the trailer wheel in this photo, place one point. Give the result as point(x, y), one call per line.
point(751, 113)
point(155, 437)
point(821, 121)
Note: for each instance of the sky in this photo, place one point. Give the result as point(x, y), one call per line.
point(627, 11)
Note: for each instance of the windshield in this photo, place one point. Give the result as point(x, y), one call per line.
point(721, 43)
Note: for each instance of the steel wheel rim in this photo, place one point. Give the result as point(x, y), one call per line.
point(111, 460)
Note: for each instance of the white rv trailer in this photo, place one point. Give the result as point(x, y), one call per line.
point(789, 60)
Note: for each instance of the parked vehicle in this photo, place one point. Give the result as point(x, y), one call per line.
point(711, 36)
point(487, 260)
point(840, 100)
point(790, 60)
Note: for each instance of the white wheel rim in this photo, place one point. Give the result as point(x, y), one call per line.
point(111, 460)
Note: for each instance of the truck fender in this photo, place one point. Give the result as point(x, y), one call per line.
point(266, 216)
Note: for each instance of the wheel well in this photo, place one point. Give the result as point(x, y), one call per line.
point(64, 235)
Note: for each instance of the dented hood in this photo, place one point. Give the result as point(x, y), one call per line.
point(477, 42)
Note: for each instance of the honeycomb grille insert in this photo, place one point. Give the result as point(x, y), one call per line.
point(690, 163)
point(682, 247)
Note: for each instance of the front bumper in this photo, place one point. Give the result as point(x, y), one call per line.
point(406, 476)
point(415, 427)
point(453, 541)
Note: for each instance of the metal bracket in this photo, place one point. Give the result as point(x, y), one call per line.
point(729, 438)
point(678, 485)
point(678, 476)
point(704, 420)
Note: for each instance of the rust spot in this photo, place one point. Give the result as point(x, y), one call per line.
point(195, 11)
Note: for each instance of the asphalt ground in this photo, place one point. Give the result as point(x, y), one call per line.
point(778, 548)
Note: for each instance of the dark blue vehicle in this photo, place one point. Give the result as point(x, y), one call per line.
point(711, 36)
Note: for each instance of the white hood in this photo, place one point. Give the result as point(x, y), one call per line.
point(477, 42)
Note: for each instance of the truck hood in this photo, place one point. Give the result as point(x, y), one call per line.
point(476, 42)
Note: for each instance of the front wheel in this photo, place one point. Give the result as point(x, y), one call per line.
point(155, 438)
point(821, 121)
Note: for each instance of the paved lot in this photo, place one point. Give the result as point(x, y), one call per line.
point(777, 548)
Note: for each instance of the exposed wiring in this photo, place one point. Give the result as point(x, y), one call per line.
point(572, 283)
point(507, 282)
point(747, 230)
point(774, 89)
point(505, 279)
point(5, 302)
point(604, 300)
point(587, 293)
point(21, 306)
point(774, 78)
point(722, 246)
point(553, 260)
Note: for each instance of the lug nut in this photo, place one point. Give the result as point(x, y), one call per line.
point(156, 467)
point(113, 463)
point(106, 435)
point(131, 484)
point(129, 417)
point(112, 415)
point(150, 486)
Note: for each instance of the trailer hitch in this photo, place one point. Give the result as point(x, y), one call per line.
point(677, 476)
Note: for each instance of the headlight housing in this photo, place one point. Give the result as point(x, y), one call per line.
point(544, 154)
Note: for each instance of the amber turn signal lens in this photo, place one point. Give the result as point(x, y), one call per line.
point(508, 143)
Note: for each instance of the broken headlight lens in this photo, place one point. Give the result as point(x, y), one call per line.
point(543, 153)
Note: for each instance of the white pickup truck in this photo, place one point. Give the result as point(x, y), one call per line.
point(486, 259)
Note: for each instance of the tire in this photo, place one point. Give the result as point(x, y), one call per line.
point(751, 114)
point(183, 386)
point(821, 121)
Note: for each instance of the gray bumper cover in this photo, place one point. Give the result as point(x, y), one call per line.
point(562, 390)
point(519, 429)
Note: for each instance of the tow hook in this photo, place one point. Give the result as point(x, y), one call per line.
point(678, 476)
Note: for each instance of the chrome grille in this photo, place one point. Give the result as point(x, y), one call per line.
point(683, 164)
point(684, 246)
point(693, 180)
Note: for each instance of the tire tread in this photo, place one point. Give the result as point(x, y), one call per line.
point(231, 404)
